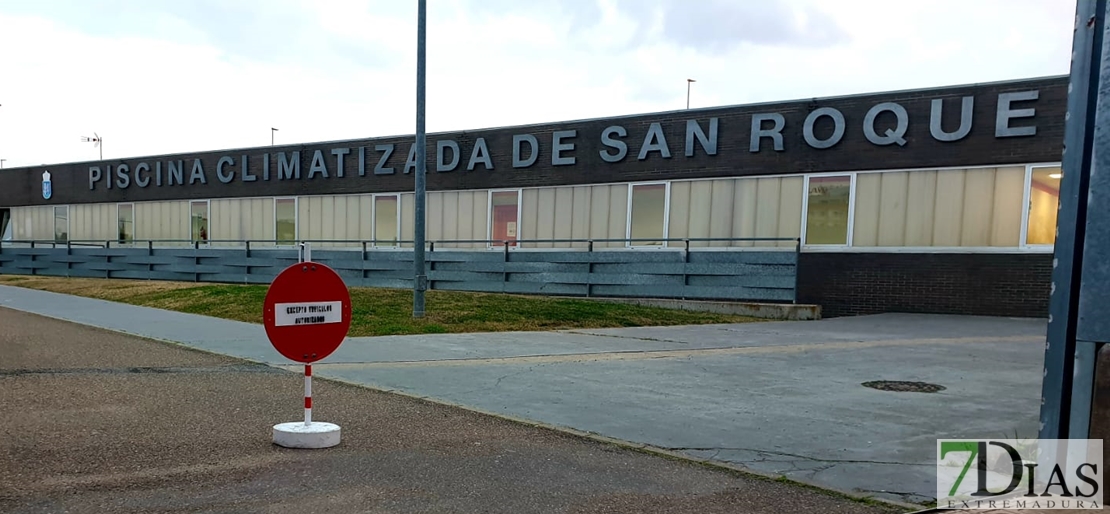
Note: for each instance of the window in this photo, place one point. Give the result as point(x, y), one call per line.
point(386, 220)
point(504, 207)
point(61, 223)
point(647, 214)
point(1044, 200)
point(828, 201)
point(125, 222)
point(285, 221)
point(198, 220)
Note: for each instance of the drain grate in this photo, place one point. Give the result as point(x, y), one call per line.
point(903, 387)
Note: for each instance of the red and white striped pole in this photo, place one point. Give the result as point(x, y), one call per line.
point(307, 394)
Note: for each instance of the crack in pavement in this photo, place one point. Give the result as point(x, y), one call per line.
point(684, 353)
point(617, 336)
point(904, 496)
point(498, 382)
point(234, 368)
point(794, 456)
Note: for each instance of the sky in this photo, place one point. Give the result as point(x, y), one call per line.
point(165, 76)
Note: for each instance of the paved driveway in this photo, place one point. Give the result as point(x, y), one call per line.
point(783, 397)
point(107, 423)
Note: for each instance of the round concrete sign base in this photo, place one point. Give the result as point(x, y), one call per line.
point(313, 435)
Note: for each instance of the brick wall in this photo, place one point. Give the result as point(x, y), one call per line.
point(846, 284)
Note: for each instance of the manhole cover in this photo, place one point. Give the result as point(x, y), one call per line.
point(903, 387)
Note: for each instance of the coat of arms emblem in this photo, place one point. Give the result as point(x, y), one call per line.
point(47, 189)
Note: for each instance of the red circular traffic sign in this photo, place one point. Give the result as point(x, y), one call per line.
point(307, 312)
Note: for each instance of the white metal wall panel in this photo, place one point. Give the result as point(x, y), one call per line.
point(768, 194)
point(744, 215)
point(949, 208)
point(892, 209)
point(580, 215)
point(920, 205)
point(790, 210)
point(978, 210)
point(721, 211)
point(618, 213)
point(865, 230)
point(1009, 190)
point(408, 218)
point(679, 223)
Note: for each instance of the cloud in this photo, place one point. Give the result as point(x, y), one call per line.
point(160, 76)
point(718, 26)
point(266, 31)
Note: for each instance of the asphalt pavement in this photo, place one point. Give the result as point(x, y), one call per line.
point(100, 422)
point(782, 398)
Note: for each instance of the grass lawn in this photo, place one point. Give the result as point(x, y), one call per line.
point(383, 311)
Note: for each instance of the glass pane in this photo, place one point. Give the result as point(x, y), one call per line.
point(126, 219)
point(61, 224)
point(198, 215)
point(1044, 200)
point(285, 220)
point(504, 225)
point(385, 221)
point(649, 204)
point(827, 212)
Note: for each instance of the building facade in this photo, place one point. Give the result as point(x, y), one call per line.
point(938, 200)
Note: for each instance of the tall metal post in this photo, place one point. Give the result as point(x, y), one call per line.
point(1079, 128)
point(420, 282)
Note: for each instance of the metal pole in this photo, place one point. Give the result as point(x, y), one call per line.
point(1056, 387)
point(420, 281)
point(307, 394)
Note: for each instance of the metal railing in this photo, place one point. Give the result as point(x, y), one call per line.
point(740, 273)
point(430, 245)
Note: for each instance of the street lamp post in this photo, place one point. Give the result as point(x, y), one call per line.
point(688, 82)
point(419, 284)
point(2, 163)
point(97, 141)
point(272, 130)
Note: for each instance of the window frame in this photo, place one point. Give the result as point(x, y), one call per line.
point(207, 222)
point(851, 210)
point(1027, 205)
point(666, 214)
point(374, 220)
point(296, 221)
point(133, 234)
point(54, 223)
point(489, 216)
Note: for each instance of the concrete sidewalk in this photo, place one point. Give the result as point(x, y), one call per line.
point(782, 398)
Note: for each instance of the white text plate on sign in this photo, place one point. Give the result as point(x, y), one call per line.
point(307, 313)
